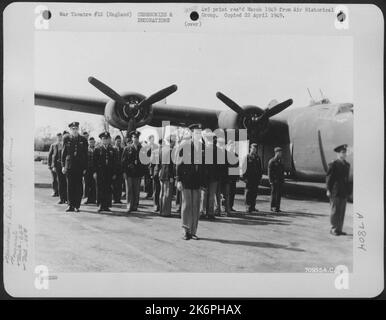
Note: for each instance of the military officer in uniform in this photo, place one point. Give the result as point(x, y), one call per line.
point(338, 189)
point(118, 181)
point(74, 165)
point(89, 181)
point(252, 177)
point(51, 165)
point(105, 161)
point(57, 168)
point(132, 171)
point(276, 178)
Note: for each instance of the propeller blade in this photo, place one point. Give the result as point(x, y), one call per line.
point(106, 90)
point(230, 103)
point(158, 96)
point(277, 108)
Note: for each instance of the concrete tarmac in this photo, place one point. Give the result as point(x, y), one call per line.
point(88, 241)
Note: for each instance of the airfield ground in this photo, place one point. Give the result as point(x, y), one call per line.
point(291, 241)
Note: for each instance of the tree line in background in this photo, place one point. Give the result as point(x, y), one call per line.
point(45, 136)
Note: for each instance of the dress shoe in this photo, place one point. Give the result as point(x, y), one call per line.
point(156, 209)
point(277, 210)
point(118, 202)
point(70, 209)
point(342, 233)
point(186, 236)
point(60, 202)
point(54, 195)
point(334, 233)
point(77, 210)
point(194, 237)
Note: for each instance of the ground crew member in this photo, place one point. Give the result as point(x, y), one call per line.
point(276, 178)
point(118, 181)
point(132, 171)
point(338, 189)
point(105, 160)
point(51, 165)
point(252, 177)
point(74, 165)
point(89, 181)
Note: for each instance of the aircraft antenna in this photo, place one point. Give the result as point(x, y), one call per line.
point(324, 99)
point(312, 102)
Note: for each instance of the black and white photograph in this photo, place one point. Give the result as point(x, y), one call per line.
point(193, 151)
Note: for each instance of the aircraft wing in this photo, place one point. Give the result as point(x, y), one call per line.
point(184, 116)
point(72, 103)
point(176, 115)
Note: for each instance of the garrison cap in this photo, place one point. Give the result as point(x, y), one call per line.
point(59, 134)
point(117, 137)
point(135, 133)
point(91, 138)
point(277, 149)
point(65, 132)
point(104, 135)
point(195, 126)
point(74, 124)
point(340, 148)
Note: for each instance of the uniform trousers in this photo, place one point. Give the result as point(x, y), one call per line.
point(166, 197)
point(190, 210)
point(338, 209)
point(62, 184)
point(276, 195)
point(74, 187)
point(132, 192)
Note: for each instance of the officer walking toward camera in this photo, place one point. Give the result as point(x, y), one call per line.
point(338, 189)
point(105, 161)
point(74, 165)
point(276, 179)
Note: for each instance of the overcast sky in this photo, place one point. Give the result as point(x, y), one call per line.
point(250, 69)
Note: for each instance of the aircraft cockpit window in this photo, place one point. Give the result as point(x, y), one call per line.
point(345, 108)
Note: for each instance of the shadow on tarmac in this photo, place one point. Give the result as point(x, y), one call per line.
point(253, 244)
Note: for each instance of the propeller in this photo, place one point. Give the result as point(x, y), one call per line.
point(230, 103)
point(130, 110)
point(106, 90)
point(253, 122)
point(270, 112)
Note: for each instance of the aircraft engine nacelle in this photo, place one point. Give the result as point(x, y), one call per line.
point(230, 119)
point(118, 115)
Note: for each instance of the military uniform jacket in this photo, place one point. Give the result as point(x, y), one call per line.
point(166, 169)
point(131, 161)
point(57, 155)
point(337, 179)
point(90, 157)
point(118, 164)
point(190, 174)
point(105, 160)
point(275, 171)
point(254, 171)
point(51, 164)
point(75, 155)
